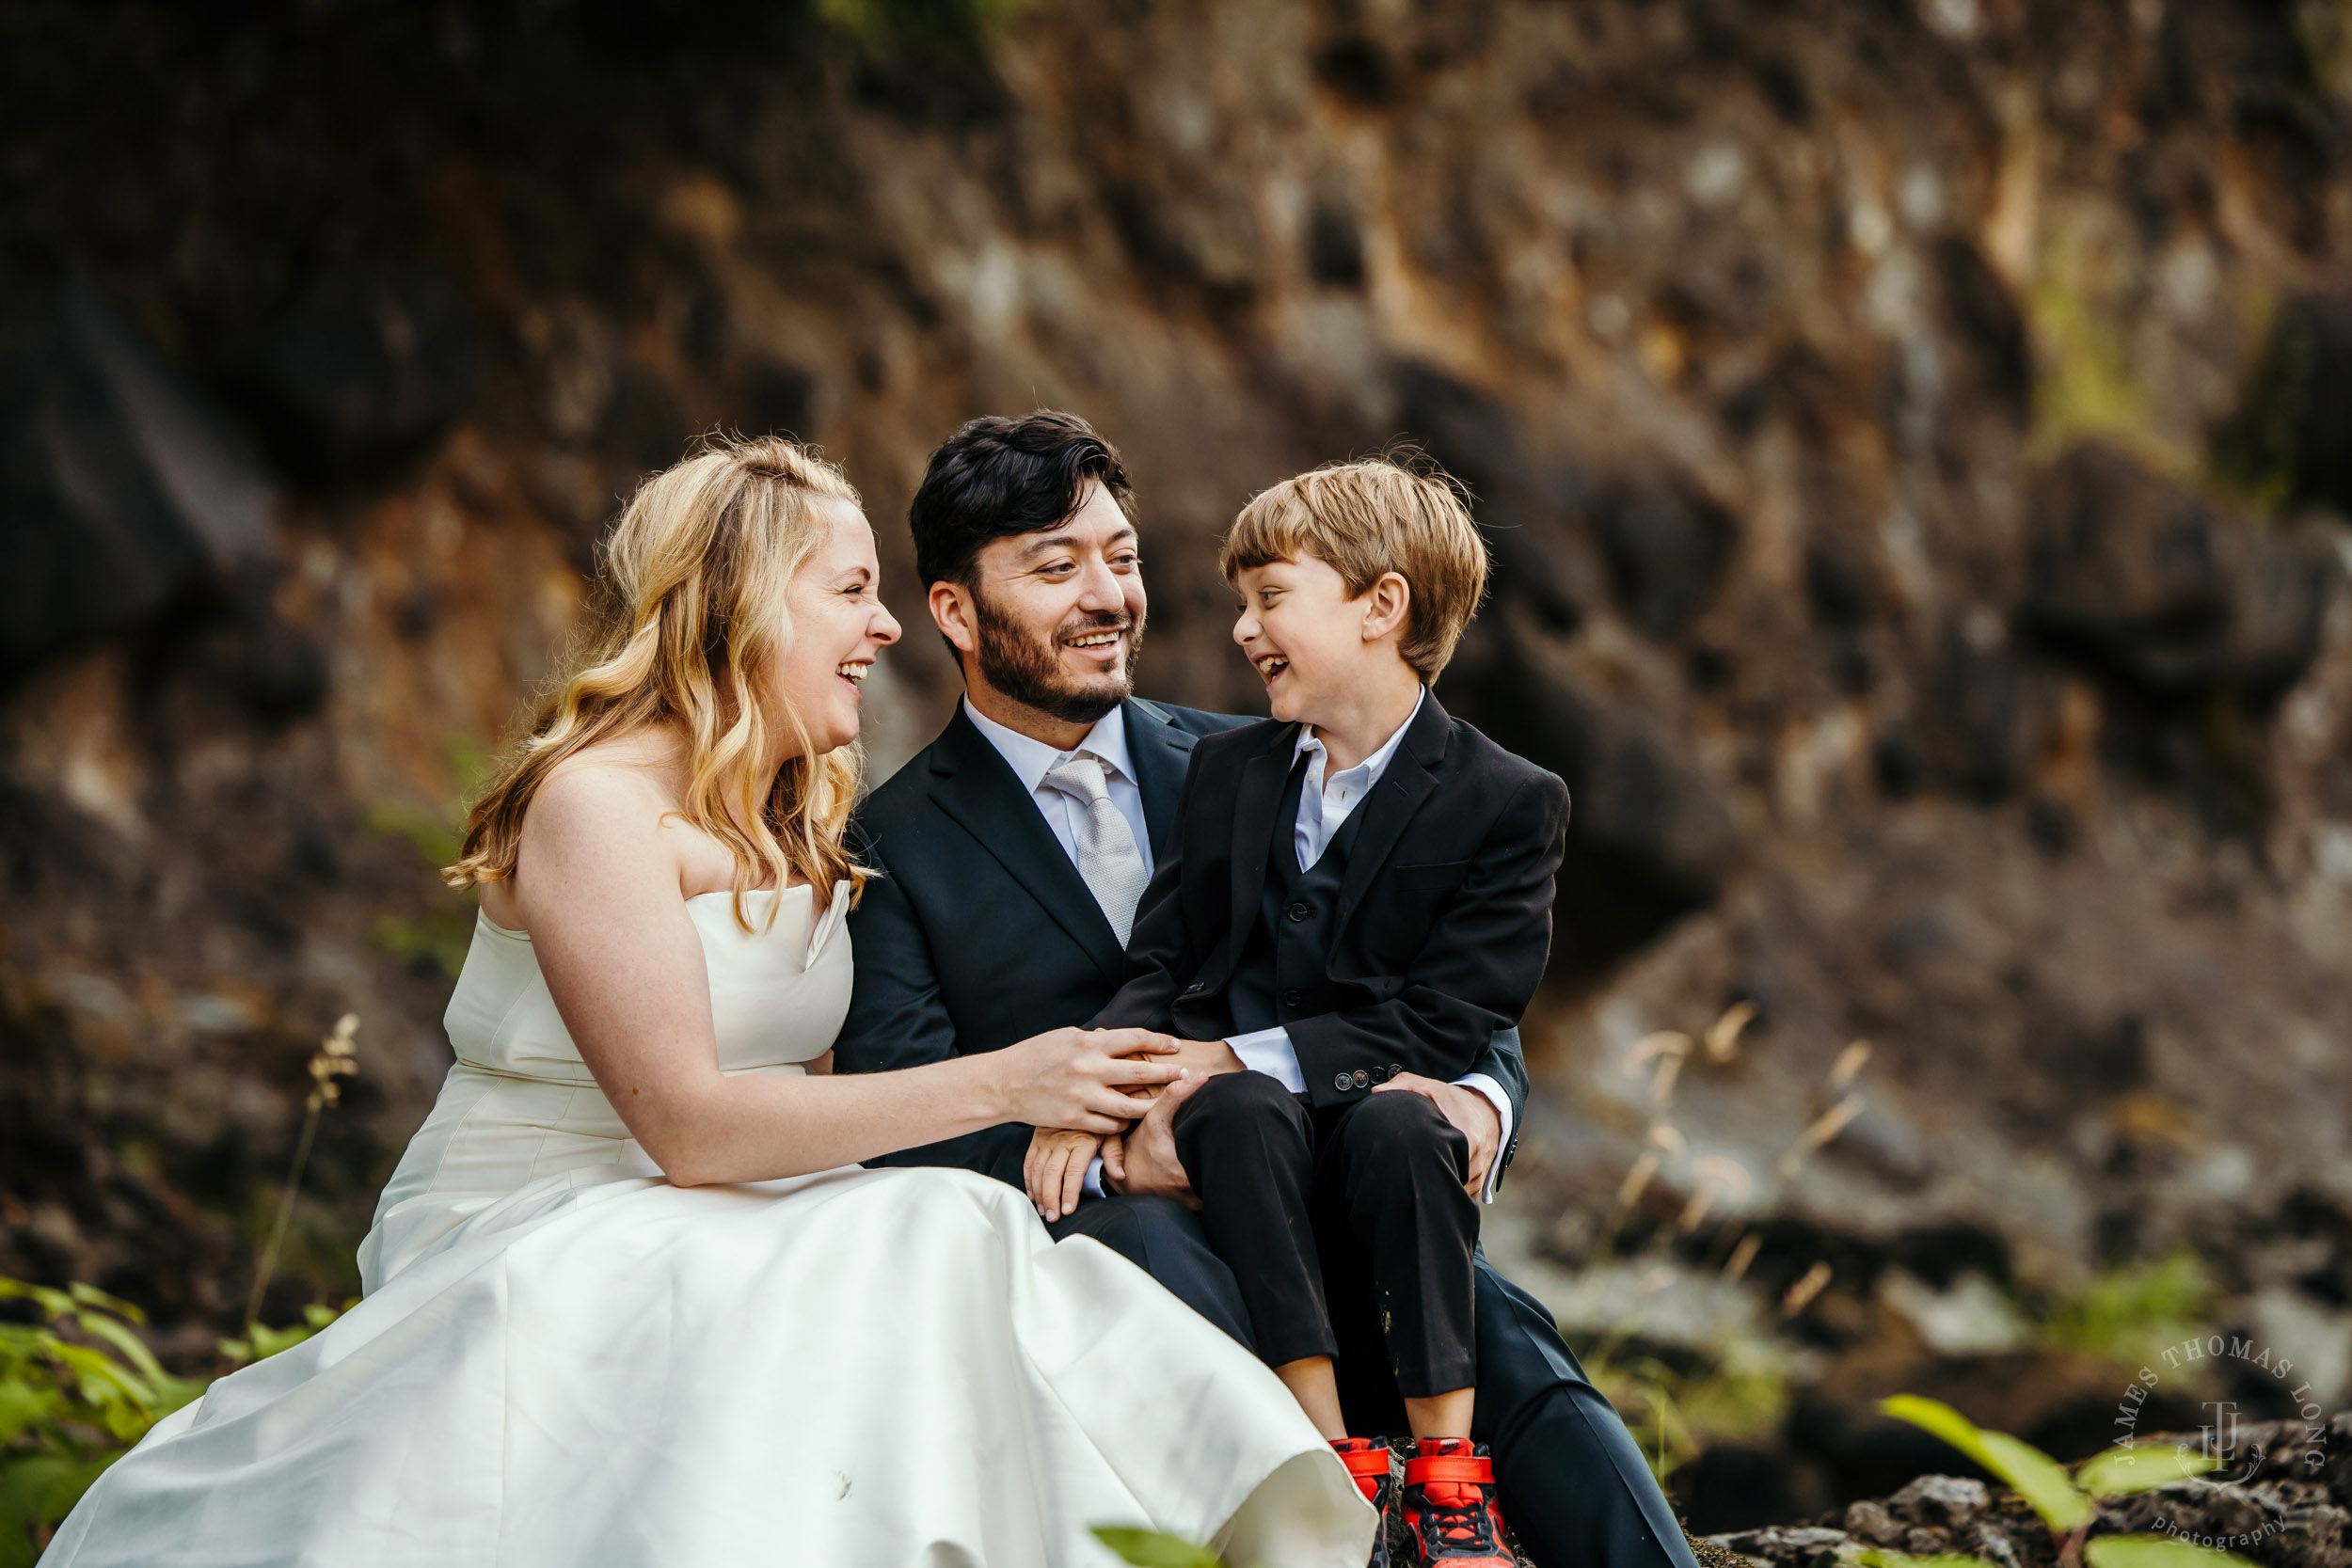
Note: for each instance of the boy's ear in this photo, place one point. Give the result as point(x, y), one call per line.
point(952, 611)
point(1386, 603)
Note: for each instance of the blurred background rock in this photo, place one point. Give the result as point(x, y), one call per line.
point(1914, 440)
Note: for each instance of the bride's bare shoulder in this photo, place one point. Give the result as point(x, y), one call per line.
point(624, 785)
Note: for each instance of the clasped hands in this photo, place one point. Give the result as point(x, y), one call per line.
point(1141, 1161)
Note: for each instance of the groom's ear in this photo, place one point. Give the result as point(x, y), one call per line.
point(952, 612)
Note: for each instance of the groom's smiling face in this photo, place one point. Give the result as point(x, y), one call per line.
point(1053, 620)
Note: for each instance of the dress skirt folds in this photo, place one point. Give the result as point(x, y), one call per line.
point(563, 1361)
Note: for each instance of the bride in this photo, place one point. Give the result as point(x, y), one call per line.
point(630, 1300)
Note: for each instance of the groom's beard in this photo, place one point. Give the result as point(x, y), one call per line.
point(1029, 670)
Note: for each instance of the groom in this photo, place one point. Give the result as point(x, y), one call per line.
point(1011, 852)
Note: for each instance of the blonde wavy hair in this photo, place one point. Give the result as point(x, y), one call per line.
point(690, 616)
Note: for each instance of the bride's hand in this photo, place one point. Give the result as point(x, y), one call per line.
point(1077, 1078)
point(1056, 1170)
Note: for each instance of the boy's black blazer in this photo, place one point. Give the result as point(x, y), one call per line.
point(979, 931)
point(1445, 916)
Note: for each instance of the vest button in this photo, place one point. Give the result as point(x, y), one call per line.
point(1291, 999)
point(1298, 912)
point(1338, 1080)
point(1196, 987)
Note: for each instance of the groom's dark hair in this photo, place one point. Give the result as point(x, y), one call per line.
point(997, 477)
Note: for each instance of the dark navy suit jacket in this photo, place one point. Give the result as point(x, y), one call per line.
point(977, 930)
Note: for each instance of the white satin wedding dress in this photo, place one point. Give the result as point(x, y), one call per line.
point(563, 1361)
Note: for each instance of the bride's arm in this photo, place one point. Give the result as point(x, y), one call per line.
point(597, 886)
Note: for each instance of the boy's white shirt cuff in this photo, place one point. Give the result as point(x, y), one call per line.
point(1094, 1187)
point(1270, 1051)
point(1502, 1102)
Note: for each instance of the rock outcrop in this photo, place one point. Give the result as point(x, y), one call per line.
point(2270, 1505)
point(1908, 436)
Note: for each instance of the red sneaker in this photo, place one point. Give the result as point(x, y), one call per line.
point(1449, 1508)
point(1367, 1462)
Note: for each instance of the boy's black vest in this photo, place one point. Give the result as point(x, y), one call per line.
point(1284, 968)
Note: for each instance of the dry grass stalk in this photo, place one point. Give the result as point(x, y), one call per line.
point(1722, 1036)
point(1670, 1046)
point(1801, 1294)
point(1714, 1177)
point(1825, 1128)
point(335, 1058)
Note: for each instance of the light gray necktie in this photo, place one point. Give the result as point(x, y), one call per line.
point(1108, 859)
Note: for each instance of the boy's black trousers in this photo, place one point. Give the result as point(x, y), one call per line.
point(1348, 1227)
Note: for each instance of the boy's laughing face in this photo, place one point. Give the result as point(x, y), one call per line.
point(1305, 636)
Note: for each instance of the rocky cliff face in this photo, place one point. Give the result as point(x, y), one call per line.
point(1912, 439)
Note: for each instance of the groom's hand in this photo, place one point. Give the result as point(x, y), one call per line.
point(1467, 1110)
point(1144, 1163)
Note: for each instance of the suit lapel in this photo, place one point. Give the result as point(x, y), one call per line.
point(1160, 753)
point(1409, 780)
point(974, 787)
point(1255, 806)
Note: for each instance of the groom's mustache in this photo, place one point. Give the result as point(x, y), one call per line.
point(1083, 624)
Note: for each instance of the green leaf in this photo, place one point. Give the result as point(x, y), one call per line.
point(1150, 1548)
point(133, 1348)
point(21, 1405)
point(103, 1381)
point(2152, 1551)
point(268, 1341)
point(2142, 1468)
point(2027, 1470)
point(90, 1296)
point(1883, 1557)
point(56, 1303)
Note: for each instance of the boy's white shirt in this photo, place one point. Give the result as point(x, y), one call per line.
point(1323, 808)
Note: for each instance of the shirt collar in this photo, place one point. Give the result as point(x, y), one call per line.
point(1031, 759)
point(1370, 769)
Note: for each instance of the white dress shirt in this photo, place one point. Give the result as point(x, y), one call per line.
point(1323, 808)
point(1031, 760)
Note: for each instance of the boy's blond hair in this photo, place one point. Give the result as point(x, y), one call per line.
point(1364, 520)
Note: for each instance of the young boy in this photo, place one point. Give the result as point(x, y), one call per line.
point(1358, 894)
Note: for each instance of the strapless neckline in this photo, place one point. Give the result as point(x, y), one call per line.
point(820, 929)
point(483, 915)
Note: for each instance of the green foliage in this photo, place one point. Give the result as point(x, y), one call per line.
point(2152, 1551)
point(2033, 1475)
point(445, 930)
point(1676, 1410)
point(263, 1341)
point(2077, 309)
point(2065, 1502)
point(2124, 1310)
point(2141, 1468)
point(1150, 1548)
point(76, 1390)
point(441, 936)
point(1885, 1556)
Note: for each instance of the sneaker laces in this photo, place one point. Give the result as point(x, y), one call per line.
point(1458, 1515)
